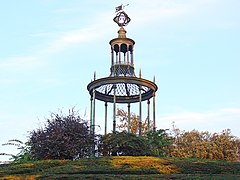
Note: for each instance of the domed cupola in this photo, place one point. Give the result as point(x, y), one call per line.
point(122, 49)
point(122, 85)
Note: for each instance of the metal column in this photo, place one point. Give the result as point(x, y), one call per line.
point(129, 117)
point(105, 130)
point(91, 113)
point(148, 114)
point(154, 108)
point(154, 112)
point(140, 110)
point(114, 108)
point(93, 122)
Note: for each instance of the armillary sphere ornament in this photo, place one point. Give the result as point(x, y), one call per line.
point(121, 19)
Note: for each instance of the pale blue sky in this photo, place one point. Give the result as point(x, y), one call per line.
point(49, 50)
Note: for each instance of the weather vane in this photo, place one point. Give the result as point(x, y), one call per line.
point(120, 8)
point(121, 18)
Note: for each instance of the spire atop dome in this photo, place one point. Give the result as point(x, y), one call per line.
point(122, 33)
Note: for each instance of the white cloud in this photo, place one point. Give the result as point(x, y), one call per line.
point(55, 42)
point(197, 14)
point(73, 37)
point(232, 110)
point(60, 41)
point(19, 63)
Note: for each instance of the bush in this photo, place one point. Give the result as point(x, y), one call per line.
point(154, 143)
point(63, 137)
point(159, 141)
point(205, 145)
point(123, 144)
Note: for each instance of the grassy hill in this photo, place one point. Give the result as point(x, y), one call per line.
point(122, 167)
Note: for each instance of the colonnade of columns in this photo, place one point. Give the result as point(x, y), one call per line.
point(119, 50)
point(93, 110)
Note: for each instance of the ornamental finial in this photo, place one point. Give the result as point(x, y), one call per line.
point(121, 17)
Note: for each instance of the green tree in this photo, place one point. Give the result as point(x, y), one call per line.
point(123, 144)
point(128, 144)
point(159, 141)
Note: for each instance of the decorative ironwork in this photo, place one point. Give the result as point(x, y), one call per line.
point(127, 89)
point(122, 85)
point(122, 70)
point(121, 19)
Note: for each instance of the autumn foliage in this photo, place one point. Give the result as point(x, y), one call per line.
point(205, 145)
point(134, 122)
point(140, 162)
point(184, 144)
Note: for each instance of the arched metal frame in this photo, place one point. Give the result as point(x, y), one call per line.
point(124, 90)
point(127, 89)
point(122, 85)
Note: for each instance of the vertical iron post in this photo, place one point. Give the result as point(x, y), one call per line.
point(105, 130)
point(129, 116)
point(148, 114)
point(140, 110)
point(114, 108)
point(91, 113)
point(93, 123)
point(154, 109)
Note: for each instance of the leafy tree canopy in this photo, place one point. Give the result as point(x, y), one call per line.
point(134, 122)
point(124, 144)
point(205, 145)
point(63, 137)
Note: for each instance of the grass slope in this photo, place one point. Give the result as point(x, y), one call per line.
point(122, 167)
